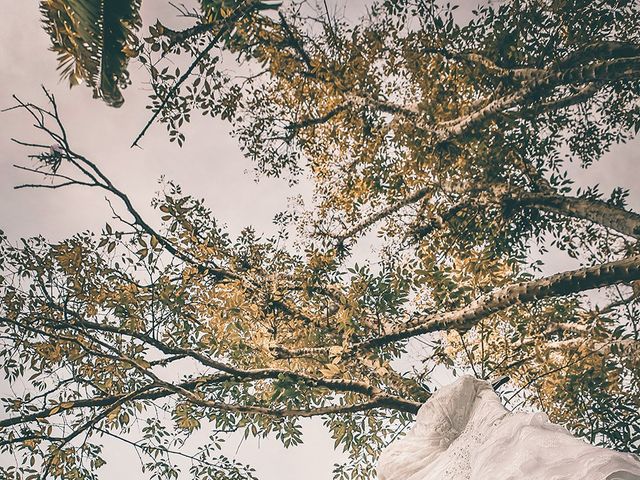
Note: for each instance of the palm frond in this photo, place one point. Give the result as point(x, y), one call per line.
point(94, 40)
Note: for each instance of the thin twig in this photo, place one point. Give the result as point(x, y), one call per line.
point(242, 10)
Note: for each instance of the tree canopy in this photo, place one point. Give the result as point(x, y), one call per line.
point(450, 142)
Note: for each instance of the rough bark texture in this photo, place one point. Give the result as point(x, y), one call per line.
point(462, 319)
point(566, 283)
point(598, 71)
point(596, 211)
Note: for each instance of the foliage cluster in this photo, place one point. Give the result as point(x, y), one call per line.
point(449, 140)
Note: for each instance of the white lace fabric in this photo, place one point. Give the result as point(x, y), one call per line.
point(463, 432)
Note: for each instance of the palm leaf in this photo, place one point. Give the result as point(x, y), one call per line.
point(94, 40)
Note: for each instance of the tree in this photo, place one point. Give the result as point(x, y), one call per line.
point(450, 141)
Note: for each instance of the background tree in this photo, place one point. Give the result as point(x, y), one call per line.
point(449, 140)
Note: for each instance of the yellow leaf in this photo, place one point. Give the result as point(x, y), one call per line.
point(336, 350)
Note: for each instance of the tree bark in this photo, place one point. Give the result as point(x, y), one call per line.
point(599, 71)
point(462, 319)
point(596, 211)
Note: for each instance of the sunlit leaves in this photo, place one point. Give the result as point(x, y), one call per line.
point(442, 142)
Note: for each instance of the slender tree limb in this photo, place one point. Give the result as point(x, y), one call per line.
point(393, 208)
point(243, 9)
point(378, 400)
point(462, 319)
point(437, 221)
point(476, 58)
point(339, 385)
point(309, 122)
point(583, 94)
point(601, 71)
point(594, 210)
point(296, 43)
point(604, 50)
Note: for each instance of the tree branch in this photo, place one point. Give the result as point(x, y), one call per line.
point(366, 223)
point(462, 319)
point(242, 10)
point(600, 71)
point(596, 211)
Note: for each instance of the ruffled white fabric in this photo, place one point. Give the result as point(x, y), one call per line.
point(464, 432)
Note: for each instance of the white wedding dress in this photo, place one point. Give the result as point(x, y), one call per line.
point(464, 432)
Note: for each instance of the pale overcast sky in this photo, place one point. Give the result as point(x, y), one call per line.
point(209, 166)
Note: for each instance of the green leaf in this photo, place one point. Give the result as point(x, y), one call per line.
point(94, 40)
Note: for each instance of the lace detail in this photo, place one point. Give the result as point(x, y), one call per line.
point(459, 452)
point(464, 433)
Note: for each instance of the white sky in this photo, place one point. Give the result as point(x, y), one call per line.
point(210, 166)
